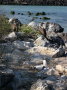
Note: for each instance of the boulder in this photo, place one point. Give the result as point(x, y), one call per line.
point(22, 45)
point(40, 85)
point(33, 24)
point(51, 41)
point(6, 77)
point(60, 68)
point(6, 48)
point(40, 41)
point(16, 57)
point(61, 83)
point(50, 26)
point(56, 41)
point(23, 80)
point(47, 51)
point(63, 36)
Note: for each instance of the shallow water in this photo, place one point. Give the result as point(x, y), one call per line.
point(57, 14)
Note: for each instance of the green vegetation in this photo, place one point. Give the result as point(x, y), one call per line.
point(12, 12)
point(40, 13)
point(45, 18)
point(5, 27)
point(29, 31)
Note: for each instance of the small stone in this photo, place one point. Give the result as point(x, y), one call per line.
point(51, 71)
point(39, 67)
point(56, 72)
point(65, 69)
point(40, 85)
point(60, 68)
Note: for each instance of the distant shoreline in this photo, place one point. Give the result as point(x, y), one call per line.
point(31, 5)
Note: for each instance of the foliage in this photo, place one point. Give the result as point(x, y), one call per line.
point(4, 26)
point(29, 31)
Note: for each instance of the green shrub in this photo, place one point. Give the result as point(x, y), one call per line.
point(29, 31)
point(12, 12)
point(5, 27)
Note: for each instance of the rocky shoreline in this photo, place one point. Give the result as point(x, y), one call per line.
point(34, 64)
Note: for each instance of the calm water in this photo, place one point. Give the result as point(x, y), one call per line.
point(57, 14)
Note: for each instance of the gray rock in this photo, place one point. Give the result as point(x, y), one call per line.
point(6, 77)
point(22, 45)
point(51, 78)
point(55, 41)
point(40, 85)
point(23, 79)
point(13, 58)
point(51, 71)
point(61, 83)
point(42, 74)
point(49, 26)
point(6, 48)
point(51, 41)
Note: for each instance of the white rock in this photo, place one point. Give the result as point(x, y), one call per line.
point(32, 24)
point(10, 20)
point(65, 69)
point(12, 35)
point(44, 63)
point(60, 68)
point(39, 67)
point(66, 45)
